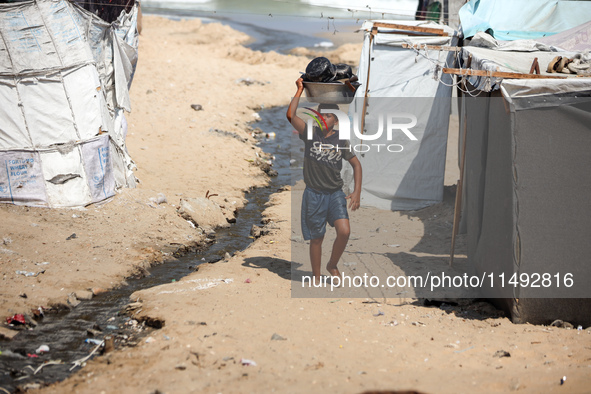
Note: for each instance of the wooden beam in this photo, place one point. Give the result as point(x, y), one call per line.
point(417, 29)
point(535, 67)
point(434, 47)
point(498, 74)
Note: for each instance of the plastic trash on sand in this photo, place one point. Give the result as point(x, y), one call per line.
point(42, 349)
point(247, 362)
point(16, 319)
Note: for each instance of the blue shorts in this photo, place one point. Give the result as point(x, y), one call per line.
point(319, 208)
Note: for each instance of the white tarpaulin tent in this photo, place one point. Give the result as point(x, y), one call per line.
point(404, 80)
point(64, 80)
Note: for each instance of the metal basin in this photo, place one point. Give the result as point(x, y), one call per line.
point(330, 92)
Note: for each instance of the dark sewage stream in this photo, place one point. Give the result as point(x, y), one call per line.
point(73, 334)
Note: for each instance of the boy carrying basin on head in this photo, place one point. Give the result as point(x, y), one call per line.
point(323, 200)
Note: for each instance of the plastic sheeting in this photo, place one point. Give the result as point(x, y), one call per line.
point(64, 84)
point(524, 93)
point(526, 166)
point(576, 39)
point(534, 19)
point(526, 171)
point(407, 80)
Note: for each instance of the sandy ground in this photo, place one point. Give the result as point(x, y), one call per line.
point(227, 313)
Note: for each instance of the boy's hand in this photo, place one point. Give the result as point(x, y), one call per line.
point(300, 83)
point(354, 200)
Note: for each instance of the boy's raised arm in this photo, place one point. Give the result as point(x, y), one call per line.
point(295, 120)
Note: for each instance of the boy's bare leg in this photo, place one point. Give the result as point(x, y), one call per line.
point(316, 256)
point(340, 243)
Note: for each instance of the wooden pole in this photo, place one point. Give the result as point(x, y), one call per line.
point(498, 74)
point(374, 31)
point(408, 28)
point(433, 47)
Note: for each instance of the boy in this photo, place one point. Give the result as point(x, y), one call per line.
point(323, 200)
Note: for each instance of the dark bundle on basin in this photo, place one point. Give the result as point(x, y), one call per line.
point(321, 69)
point(325, 82)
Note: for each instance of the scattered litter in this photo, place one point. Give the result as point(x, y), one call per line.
point(93, 341)
point(277, 337)
point(191, 223)
point(249, 81)
point(16, 319)
point(42, 349)
point(72, 237)
point(247, 362)
point(333, 301)
point(562, 324)
point(418, 323)
point(150, 340)
point(247, 280)
point(32, 355)
point(159, 199)
point(29, 274)
point(501, 353)
point(579, 328)
point(197, 107)
point(380, 313)
point(43, 263)
point(468, 348)
point(393, 322)
point(81, 361)
point(181, 367)
point(93, 332)
point(562, 380)
point(111, 327)
point(39, 368)
point(393, 245)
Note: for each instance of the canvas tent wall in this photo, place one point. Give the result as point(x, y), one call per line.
point(515, 20)
point(401, 79)
point(526, 184)
point(64, 80)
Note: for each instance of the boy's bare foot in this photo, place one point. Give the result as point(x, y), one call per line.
point(333, 270)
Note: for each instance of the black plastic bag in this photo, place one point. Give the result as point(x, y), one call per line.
point(343, 71)
point(320, 69)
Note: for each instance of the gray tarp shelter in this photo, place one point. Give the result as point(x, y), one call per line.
point(399, 79)
point(527, 180)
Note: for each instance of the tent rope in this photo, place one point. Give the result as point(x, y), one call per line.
point(437, 69)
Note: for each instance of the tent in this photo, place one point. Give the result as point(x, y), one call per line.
point(64, 87)
point(398, 80)
point(526, 180)
point(515, 20)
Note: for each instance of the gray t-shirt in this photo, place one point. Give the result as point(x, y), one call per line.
point(323, 160)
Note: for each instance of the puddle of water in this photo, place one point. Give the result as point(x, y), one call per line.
point(65, 332)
